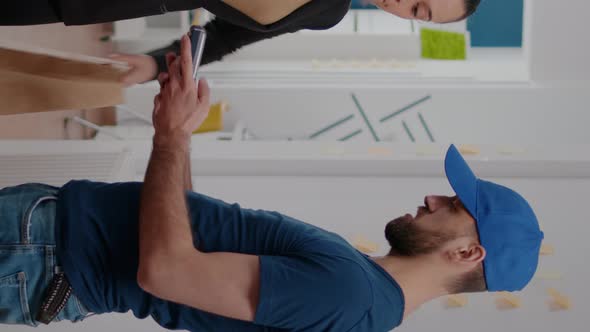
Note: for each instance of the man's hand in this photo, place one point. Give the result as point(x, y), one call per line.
point(180, 108)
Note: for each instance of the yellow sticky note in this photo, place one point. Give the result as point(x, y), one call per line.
point(468, 149)
point(507, 300)
point(364, 245)
point(443, 45)
point(546, 249)
point(367, 247)
point(558, 301)
point(456, 301)
point(380, 151)
point(552, 292)
point(561, 303)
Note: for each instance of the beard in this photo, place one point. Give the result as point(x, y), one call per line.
point(407, 239)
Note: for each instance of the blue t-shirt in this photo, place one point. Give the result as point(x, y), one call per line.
point(310, 279)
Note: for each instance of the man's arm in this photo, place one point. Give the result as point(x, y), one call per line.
point(170, 267)
point(162, 79)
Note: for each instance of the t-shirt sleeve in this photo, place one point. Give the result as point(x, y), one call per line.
point(311, 292)
point(221, 226)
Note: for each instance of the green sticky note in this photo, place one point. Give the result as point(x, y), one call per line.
point(444, 45)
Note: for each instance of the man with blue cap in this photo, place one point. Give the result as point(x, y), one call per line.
point(192, 262)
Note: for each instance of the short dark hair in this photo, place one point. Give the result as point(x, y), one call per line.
point(470, 282)
point(471, 7)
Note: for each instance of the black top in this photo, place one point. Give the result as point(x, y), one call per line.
point(231, 29)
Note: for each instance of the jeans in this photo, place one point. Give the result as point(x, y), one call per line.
point(27, 254)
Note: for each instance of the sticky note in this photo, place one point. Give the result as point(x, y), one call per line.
point(561, 303)
point(558, 301)
point(507, 300)
point(443, 45)
point(552, 292)
point(380, 151)
point(468, 149)
point(546, 249)
point(367, 247)
point(364, 245)
point(456, 301)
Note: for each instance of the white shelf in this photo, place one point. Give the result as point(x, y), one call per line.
point(309, 158)
point(494, 66)
point(57, 162)
point(314, 158)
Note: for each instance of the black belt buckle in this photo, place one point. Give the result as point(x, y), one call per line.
point(56, 297)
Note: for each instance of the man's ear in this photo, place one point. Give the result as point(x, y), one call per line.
point(466, 251)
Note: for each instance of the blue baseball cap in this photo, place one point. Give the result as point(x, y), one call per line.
point(507, 226)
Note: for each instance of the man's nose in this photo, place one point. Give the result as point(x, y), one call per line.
point(434, 202)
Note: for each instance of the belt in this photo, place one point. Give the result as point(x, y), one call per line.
point(55, 298)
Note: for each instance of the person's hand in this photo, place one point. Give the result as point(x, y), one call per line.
point(143, 68)
point(181, 107)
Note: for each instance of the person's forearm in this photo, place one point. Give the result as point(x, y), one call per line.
point(164, 227)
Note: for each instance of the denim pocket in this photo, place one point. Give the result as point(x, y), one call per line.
point(14, 307)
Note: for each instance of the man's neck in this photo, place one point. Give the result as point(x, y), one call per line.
point(420, 280)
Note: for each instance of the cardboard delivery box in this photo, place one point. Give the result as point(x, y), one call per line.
point(42, 80)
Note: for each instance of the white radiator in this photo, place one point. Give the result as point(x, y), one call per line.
point(57, 162)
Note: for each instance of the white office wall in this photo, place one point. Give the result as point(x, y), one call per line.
point(466, 113)
point(559, 47)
